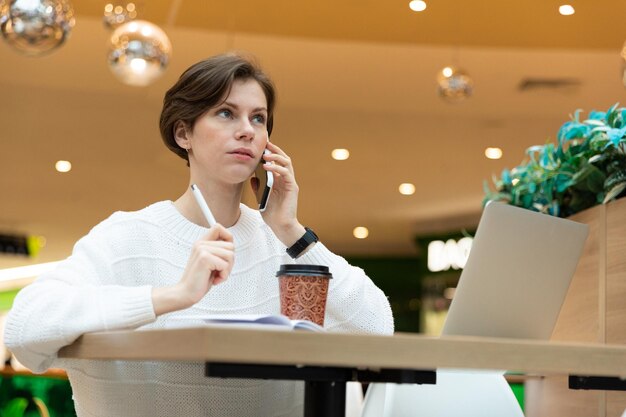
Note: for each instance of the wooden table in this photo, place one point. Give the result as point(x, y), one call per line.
point(327, 360)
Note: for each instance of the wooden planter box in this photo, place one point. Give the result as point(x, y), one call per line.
point(594, 311)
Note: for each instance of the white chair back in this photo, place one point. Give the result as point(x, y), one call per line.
point(467, 394)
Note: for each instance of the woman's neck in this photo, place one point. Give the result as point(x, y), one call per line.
point(223, 200)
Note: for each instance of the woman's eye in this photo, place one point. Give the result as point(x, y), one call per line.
point(225, 113)
point(259, 118)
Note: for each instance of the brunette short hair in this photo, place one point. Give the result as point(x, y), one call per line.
point(203, 86)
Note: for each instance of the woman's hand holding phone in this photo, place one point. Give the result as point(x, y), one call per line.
point(262, 183)
point(281, 213)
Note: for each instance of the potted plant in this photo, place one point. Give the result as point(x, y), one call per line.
point(586, 167)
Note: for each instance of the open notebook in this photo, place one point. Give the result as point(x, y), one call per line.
point(267, 321)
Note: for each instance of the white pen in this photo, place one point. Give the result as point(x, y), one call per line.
point(203, 205)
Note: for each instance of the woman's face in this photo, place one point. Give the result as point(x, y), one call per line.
point(228, 140)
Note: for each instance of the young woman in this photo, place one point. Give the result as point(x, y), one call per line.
point(143, 268)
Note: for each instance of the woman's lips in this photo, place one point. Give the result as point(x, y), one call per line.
point(242, 154)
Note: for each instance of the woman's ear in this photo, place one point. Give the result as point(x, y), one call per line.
point(181, 135)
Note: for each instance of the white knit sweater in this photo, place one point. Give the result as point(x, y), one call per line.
point(106, 284)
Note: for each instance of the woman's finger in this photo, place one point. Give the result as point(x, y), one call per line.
point(275, 149)
point(279, 160)
point(220, 272)
point(214, 244)
point(217, 264)
point(218, 232)
point(208, 254)
point(280, 170)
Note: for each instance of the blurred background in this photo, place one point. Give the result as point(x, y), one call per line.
point(394, 113)
point(417, 97)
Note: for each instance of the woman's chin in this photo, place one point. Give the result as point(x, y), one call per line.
point(227, 176)
point(238, 179)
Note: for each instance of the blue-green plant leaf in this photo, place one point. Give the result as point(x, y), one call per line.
point(596, 115)
point(486, 188)
point(533, 150)
point(615, 135)
point(611, 115)
point(506, 177)
point(527, 200)
point(563, 183)
point(573, 130)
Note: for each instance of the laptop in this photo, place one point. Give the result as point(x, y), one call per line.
point(517, 275)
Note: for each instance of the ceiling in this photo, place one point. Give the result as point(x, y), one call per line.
point(357, 75)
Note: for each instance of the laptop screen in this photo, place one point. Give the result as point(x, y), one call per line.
point(517, 274)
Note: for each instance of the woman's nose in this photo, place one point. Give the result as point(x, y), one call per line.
point(246, 130)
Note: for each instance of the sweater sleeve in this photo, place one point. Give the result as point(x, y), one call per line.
point(76, 298)
point(354, 303)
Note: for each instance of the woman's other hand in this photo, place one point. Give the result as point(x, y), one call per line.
point(281, 214)
point(210, 263)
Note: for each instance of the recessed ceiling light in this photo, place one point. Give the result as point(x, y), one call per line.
point(417, 5)
point(566, 10)
point(360, 232)
point(406, 188)
point(493, 153)
point(63, 166)
point(340, 154)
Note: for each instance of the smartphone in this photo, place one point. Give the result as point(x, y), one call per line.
point(266, 180)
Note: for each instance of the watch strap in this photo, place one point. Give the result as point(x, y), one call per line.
point(303, 243)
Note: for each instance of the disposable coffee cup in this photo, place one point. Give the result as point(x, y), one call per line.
point(303, 291)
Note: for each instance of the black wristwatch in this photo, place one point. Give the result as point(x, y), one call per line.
point(303, 243)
